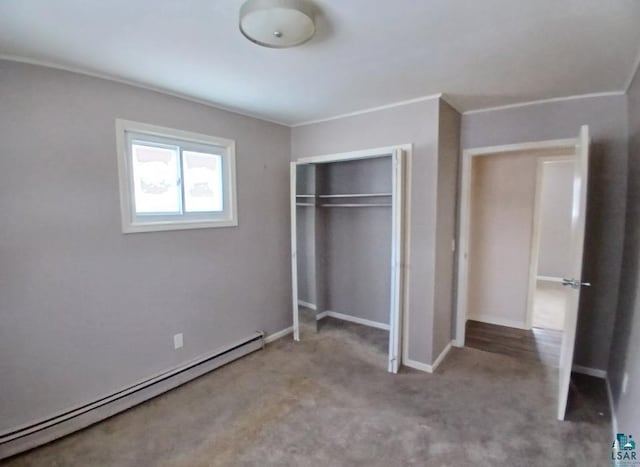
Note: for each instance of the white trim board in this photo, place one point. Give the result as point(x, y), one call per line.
point(321, 315)
point(138, 84)
point(595, 372)
point(353, 319)
point(562, 146)
point(309, 305)
point(417, 365)
point(214, 105)
point(278, 335)
point(436, 363)
point(425, 367)
point(544, 101)
point(373, 109)
point(371, 153)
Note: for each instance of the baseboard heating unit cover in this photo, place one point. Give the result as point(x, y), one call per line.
point(43, 431)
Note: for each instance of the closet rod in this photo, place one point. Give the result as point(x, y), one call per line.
point(360, 205)
point(305, 204)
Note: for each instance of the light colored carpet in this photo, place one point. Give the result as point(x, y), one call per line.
point(328, 401)
point(549, 304)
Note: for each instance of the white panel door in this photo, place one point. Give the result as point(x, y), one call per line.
point(573, 282)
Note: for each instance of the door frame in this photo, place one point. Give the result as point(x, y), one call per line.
point(545, 148)
point(401, 157)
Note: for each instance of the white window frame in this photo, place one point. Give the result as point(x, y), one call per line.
point(131, 222)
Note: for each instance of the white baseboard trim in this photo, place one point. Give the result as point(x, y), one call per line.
point(614, 420)
point(278, 335)
point(442, 356)
point(595, 372)
point(549, 278)
point(425, 367)
point(307, 305)
point(417, 365)
point(353, 319)
point(498, 321)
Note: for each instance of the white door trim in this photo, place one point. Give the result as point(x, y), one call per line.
point(354, 155)
point(545, 148)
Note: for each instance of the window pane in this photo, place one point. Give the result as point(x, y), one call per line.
point(155, 179)
point(202, 178)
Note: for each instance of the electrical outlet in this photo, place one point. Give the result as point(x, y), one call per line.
point(625, 380)
point(177, 341)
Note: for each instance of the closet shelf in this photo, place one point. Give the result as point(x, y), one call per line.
point(305, 204)
point(355, 195)
point(355, 205)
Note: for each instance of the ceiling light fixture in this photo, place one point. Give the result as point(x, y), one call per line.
point(277, 23)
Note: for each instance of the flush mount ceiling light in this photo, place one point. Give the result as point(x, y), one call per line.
point(277, 23)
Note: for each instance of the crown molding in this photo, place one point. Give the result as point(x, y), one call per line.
point(370, 110)
point(544, 101)
point(137, 84)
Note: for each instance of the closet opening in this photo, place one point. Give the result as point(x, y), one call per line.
point(346, 212)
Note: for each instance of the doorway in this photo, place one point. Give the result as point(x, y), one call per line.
point(515, 287)
point(519, 232)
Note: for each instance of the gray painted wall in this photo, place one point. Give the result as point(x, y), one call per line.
point(415, 123)
point(607, 120)
point(625, 348)
point(86, 310)
point(556, 199)
point(356, 242)
point(446, 224)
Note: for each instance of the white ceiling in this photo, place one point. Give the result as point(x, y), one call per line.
point(366, 53)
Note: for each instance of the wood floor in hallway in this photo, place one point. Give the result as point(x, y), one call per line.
point(537, 344)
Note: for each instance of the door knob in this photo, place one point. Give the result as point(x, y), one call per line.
point(575, 283)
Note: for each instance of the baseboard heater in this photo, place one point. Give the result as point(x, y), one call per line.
point(44, 431)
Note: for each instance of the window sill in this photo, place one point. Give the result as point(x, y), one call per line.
point(180, 225)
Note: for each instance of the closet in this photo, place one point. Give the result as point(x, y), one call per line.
point(346, 212)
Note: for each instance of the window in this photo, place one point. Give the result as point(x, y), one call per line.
point(172, 179)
